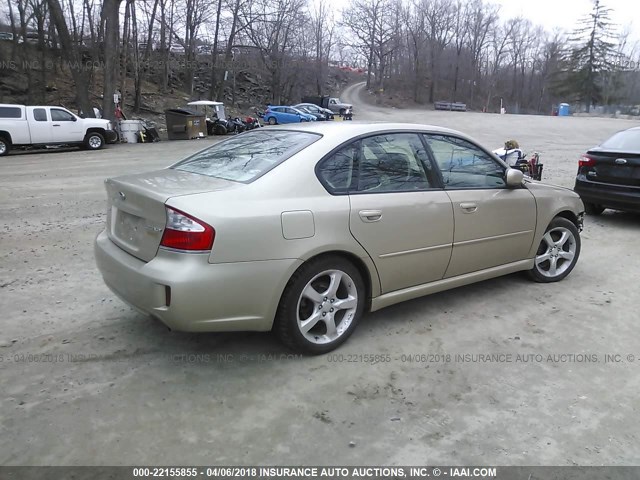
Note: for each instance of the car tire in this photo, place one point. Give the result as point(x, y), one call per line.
point(5, 146)
point(93, 141)
point(272, 121)
point(342, 111)
point(557, 253)
point(328, 292)
point(593, 208)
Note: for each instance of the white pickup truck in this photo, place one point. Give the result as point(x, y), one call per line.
point(23, 127)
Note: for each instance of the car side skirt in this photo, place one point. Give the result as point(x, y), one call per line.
point(409, 293)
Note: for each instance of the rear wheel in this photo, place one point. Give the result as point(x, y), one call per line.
point(321, 305)
point(593, 208)
point(93, 141)
point(272, 121)
point(557, 253)
point(5, 146)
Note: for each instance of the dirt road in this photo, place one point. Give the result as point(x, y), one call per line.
point(505, 372)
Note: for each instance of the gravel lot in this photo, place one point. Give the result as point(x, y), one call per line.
point(85, 380)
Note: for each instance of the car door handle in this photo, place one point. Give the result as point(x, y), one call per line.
point(469, 207)
point(370, 215)
point(56, 124)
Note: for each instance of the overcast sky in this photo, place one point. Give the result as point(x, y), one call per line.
point(566, 13)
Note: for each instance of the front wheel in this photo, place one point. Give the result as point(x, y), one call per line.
point(5, 146)
point(94, 141)
point(557, 253)
point(321, 305)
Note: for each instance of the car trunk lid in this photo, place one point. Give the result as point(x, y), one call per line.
point(614, 167)
point(136, 206)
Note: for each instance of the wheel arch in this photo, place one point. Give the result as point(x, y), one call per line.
point(6, 135)
point(569, 215)
point(368, 276)
point(99, 130)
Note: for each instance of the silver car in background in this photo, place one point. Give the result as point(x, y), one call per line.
point(303, 229)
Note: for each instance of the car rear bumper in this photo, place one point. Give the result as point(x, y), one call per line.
point(620, 197)
point(187, 293)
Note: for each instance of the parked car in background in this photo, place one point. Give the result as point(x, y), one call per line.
point(275, 115)
point(316, 109)
point(8, 36)
point(319, 117)
point(22, 127)
point(302, 229)
point(332, 103)
point(177, 49)
point(609, 174)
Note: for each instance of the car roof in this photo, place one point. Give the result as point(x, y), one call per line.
point(350, 128)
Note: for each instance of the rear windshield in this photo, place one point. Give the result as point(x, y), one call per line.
point(248, 156)
point(627, 141)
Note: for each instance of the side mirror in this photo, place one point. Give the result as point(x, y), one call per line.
point(514, 177)
point(75, 119)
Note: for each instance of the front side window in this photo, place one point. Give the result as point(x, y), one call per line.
point(463, 164)
point(58, 115)
point(393, 163)
point(248, 156)
point(39, 114)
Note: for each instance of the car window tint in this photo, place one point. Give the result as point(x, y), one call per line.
point(60, 115)
point(247, 156)
point(10, 112)
point(336, 171)
point(464, 165)
point(393, 163)
point(40, 114)
point(627, 141)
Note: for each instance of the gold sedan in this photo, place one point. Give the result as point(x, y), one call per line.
point(303, 229)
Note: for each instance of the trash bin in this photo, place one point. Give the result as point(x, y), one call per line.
point(563, 110)
point(129, 130)
point(183, 124)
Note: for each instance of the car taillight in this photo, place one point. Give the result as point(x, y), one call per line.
point(184, 232)
point(586, 161)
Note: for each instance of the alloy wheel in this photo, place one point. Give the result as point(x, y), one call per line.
point(327, 306)
point(556, 253)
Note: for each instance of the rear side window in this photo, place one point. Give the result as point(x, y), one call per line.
point(248, 156)
point(10, 112)
point(393, 163)
point(40, 114)
point(627, 141)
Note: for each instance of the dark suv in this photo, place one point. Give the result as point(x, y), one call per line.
point(609, 174)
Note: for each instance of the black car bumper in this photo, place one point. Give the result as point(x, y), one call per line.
point(618, 197)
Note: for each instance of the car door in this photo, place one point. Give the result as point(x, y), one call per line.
point(39, 125)
point(494, 224)
point(65, 127)
point(293, 115)
point(399, 213)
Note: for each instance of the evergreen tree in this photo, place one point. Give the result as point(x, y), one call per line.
point(591, 55)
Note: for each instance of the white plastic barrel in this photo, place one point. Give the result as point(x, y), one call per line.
point(129, 130)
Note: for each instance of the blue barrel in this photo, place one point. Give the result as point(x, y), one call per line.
point(563, 110)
